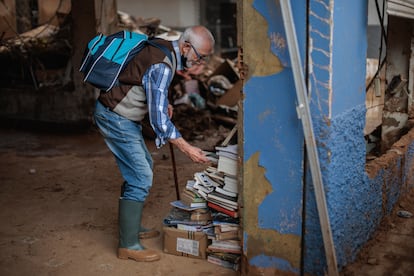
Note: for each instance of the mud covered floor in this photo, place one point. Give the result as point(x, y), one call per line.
point(59, 196)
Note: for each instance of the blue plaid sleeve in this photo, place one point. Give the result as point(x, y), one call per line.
point(156, 82)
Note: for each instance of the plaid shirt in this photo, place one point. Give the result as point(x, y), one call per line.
point(156, 82)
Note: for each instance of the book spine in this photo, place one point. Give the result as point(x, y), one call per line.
point(222, 199)
point(198, 204)
point(212, 248)
point(230, 235)
point(191, 228)
point(222, 204)
point(226, 193)
point(222, 263)
point(216, 207)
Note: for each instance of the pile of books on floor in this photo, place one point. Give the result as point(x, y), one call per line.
point(209, 203)
point(225, 248)
point(218, 184)
point(185, 230)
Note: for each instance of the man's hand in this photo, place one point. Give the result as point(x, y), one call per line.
point(194, 153)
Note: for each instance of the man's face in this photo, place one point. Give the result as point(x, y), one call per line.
point(195, 59)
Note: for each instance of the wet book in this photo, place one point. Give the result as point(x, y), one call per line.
point(192, 199)
point(211, 258)
point(226, 246)
point(218, 208)
point(222, 200)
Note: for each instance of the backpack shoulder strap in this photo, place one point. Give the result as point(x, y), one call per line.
point(167, 52)
point(162, 48)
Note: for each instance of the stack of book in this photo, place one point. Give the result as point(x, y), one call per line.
point(186, 218)
point(225, 248)
point(207, 190)
point(191, 198)
point(226, 260)
point(218, 185)
point(203, 184)
point(210, 201)
point(227, 160)
point(225, 195)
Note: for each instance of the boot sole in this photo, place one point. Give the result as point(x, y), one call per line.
point(139, 256)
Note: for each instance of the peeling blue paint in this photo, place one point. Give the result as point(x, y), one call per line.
point(271, 127)
point(356, 203)
point(271, 11)
point(278, 136)
point(338, 112)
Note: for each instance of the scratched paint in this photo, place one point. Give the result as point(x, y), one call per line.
point(273, 137)
point(273, 143)
point(262, 62)
point(259, 241)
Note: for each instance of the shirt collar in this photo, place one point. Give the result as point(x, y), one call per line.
point(177, 55)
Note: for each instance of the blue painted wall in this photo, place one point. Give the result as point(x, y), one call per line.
point(356, 203)
point(337, 87)
point(349, 52)
point(336, 48)
point(272, 129)
point(268, 133)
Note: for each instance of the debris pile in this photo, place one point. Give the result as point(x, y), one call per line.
point(202, 103)
point(39, 57)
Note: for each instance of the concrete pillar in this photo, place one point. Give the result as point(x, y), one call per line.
point(272, 142)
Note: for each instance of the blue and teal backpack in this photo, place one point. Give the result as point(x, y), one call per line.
point(106, 56)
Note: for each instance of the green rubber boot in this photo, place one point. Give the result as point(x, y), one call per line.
point(144, 233)
point(130, 213)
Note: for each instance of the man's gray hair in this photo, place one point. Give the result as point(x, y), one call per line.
point(197, 35)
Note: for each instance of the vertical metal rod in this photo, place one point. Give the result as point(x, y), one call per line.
point(177, 191)
point(305, 116)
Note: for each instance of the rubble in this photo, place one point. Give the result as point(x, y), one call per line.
point(201, 102)
point(38, 57)
point(41, 57)
point(197, 97)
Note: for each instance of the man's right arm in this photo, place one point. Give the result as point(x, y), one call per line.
point(194, 153)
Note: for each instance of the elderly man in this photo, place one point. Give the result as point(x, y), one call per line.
point(144, 89)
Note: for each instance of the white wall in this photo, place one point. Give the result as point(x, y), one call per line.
point(373, 14)
point(173, 13)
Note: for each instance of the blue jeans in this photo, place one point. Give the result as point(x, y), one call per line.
point(124, 139)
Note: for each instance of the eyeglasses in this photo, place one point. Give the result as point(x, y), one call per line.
point(201, 59)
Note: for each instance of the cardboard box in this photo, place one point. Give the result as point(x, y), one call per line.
point(227, 69)
point(232, 96)
point(185, 243)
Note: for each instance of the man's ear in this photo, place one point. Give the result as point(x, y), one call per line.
point(186, 47)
